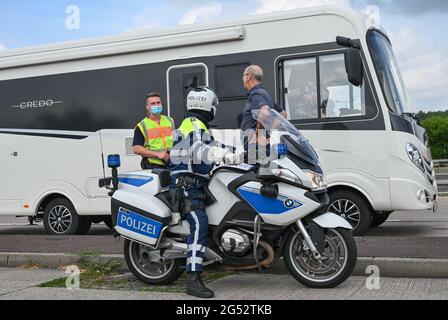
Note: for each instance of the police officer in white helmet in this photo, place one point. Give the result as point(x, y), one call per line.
point(192, 157)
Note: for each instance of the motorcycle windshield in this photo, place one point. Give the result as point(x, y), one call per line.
point(273, 121)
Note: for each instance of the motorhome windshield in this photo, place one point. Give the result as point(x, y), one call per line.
point(388, 72)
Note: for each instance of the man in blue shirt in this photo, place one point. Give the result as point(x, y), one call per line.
point(258, 98)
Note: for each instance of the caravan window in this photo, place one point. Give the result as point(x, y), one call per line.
point(317, 88)
point(228, 81)
point(338, 97)
point(300, 88)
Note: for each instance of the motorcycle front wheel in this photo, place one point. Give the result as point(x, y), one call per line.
point(338, 259)
point(146, 265)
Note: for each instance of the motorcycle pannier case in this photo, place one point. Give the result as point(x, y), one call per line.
point(135, 214)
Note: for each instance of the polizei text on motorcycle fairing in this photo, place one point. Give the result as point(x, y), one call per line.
point(139, 225)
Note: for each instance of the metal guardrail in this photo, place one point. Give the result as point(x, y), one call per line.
point(440, 163)
point(441, 167)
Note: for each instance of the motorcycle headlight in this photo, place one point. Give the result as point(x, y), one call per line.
point(415, 156)
point(317, 180)
point(287, 175)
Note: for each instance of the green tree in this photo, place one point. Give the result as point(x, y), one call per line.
point(437, 128)
point(422, 115)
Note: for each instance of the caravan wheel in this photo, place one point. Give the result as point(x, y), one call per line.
point(61, 218)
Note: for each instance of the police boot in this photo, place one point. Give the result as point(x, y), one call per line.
point(195, 286)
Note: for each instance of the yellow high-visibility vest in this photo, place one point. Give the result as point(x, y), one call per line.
point(190, 124)
point(158, 136)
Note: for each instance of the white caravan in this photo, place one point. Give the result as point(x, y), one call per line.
point(65, 107)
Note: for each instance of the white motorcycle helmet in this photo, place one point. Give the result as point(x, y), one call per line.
point(202, 99)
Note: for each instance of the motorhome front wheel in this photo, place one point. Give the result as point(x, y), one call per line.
point(353, 208)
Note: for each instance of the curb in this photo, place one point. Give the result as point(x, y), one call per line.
point(388, 267)
point(393, 267)
point(406, 267)
point(54, 260)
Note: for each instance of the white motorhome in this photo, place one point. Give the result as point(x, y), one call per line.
point(65, 107)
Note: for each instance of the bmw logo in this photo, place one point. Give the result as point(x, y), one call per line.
point(289, 203)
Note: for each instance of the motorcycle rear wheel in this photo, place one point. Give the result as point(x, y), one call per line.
point(138, 260)
point(338, 259)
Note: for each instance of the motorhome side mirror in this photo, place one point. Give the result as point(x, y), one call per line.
point(353, 66)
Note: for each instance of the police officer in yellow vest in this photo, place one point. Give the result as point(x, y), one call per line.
point(192, 159)
point(153, 136)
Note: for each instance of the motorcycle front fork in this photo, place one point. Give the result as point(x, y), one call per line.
point(308, 239)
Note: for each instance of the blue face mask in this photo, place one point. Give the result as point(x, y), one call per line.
point(156, 110)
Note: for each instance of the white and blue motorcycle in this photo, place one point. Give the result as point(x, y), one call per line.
point(257, 215)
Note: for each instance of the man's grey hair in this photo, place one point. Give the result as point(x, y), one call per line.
point(256, 72)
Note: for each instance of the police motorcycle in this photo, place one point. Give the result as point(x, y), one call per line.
point(257, 214)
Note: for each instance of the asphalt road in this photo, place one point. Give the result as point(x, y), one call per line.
point(404, 235)
point(20, 284)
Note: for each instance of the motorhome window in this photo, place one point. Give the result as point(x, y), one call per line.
point(300, 88)
point(388, 72)
point(323, 78)
point(338, 98)
point(228, 81)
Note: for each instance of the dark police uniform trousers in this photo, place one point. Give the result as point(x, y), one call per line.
point(197, 240)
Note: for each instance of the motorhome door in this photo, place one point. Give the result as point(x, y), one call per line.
point(10, 173)
point(180, 80)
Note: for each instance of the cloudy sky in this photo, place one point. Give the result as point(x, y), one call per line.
point(418, 28)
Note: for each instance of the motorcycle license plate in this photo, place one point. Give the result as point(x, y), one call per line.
point(139, 224)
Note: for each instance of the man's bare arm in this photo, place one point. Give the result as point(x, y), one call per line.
point(142, 151)
point(263, 114)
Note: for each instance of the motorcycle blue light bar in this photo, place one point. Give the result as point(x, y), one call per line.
point(282, 149)
point(113, 161)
